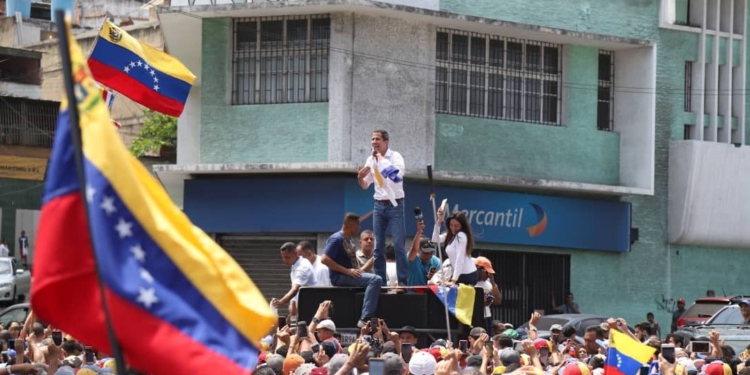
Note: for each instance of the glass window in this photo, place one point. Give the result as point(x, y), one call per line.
point(489, 76)
point(281, 60)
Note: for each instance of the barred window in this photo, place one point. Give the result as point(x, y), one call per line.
point(489, 76)
point(606, 91)
point(281, 59)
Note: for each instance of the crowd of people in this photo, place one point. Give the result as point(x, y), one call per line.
point(314, 349)
point(31, 347)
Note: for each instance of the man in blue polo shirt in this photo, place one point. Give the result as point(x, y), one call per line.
point(340, 256)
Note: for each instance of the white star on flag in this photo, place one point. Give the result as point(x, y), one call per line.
point(153, 73)
point(146, 276)
point(145, 66)
point(156, 80)
point(147, 297)
point(90, 192)
point(138, 253)
point(156, 87)
point(140, 63)
point(108, 205)
point(124, 228)
point(127, 69)
point(132, 64)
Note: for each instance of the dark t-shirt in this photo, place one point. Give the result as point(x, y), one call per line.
point(336, 249)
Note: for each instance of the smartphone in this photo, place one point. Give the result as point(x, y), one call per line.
point(57, 338)
point(406, 352)
point(315, 348)
point(302, 329)
point(433, 270)
point(544, 355)
point(377, 367)
point(282, 322)
point(89, 356)
point(330, 310)
point(700, 347)
point(374, 325)
point(644, 370)
point(667, 351)
point(463, 346)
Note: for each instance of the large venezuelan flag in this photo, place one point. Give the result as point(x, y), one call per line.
point(178, 302)
point(460, 301)
point(625, 356)
point(144, 74)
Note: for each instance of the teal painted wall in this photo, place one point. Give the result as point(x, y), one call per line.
point(575, 152)
point(601, 17)
point(507, 148)
point(252, 133)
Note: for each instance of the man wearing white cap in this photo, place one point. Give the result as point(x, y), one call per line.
point(422, 363)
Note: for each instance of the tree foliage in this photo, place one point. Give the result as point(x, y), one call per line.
point(158, 130)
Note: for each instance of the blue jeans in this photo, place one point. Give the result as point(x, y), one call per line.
point(372, 284)
point(384, 217)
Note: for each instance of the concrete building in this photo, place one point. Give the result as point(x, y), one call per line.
point(597, 146)
point(30, 26)
point(27, 128)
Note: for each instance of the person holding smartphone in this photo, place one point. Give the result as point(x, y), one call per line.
point(423, 264)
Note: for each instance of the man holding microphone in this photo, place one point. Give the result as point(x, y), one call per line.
point(385, 168)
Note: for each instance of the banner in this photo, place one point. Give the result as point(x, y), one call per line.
point(22, 168)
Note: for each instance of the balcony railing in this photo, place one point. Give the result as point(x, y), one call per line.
point(25, 122)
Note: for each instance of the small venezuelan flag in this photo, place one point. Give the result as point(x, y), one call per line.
point(144, 74)
point(460, 300)
point(178, 302)
point(625, 356)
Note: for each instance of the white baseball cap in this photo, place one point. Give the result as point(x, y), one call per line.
point(327, 324)
point(422, 363)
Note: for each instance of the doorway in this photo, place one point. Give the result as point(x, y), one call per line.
point(527, 281)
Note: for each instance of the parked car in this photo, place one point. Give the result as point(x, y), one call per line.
point(704, 308)
point(14, 313)
point(578, 321)
point(728, 322)
point(15, 280)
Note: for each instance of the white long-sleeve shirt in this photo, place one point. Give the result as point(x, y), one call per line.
point(398, 187)
point(456, 250)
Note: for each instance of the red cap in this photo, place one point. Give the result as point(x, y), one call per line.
point(681, 300)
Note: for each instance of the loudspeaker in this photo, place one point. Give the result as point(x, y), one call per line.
point(345, 310)
point(400, 310)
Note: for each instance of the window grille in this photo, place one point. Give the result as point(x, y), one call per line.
point(281, 59)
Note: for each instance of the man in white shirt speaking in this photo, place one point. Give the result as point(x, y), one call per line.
point(385, 168)
point(302, 274)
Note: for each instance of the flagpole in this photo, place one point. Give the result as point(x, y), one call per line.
point(75, 130)
point(440, 253)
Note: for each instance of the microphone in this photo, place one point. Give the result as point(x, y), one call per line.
point(374, 152)
point(418, 214)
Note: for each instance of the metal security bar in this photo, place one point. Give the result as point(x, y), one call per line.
point(527, 281)
point(606, 91)
point(26, 122)
point(482, 75)
point(281, 59)
point(688, 86)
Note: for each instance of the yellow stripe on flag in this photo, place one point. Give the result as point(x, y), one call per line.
point(465, 303)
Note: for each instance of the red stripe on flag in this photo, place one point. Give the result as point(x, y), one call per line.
point(135, 90)
point(66, 283)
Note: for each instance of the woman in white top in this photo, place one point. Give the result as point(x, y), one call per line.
point(458, 243)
